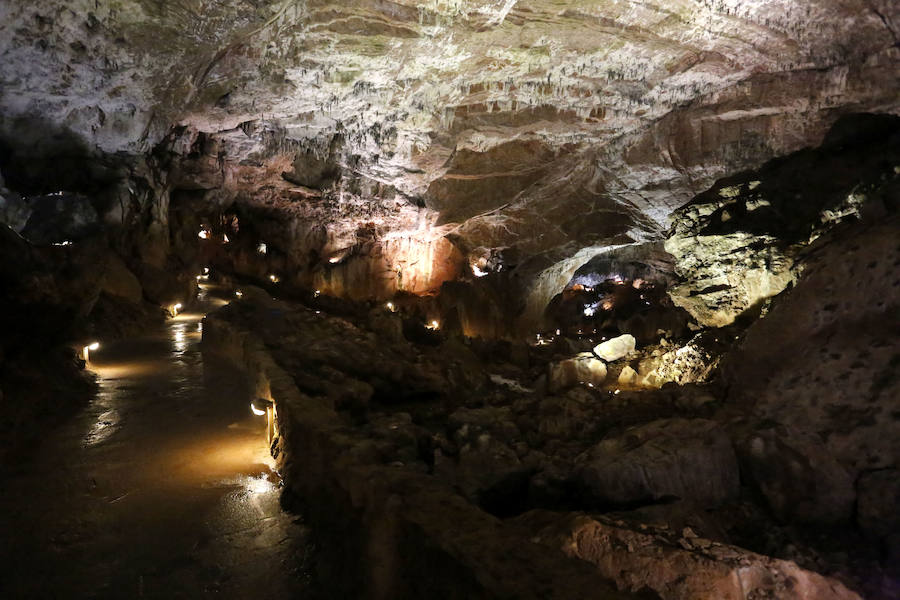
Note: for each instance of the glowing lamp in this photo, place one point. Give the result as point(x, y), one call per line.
point(239, 293)
point(225, 239)
point(434, 325)
point(86, 351)
point(206, 270)
point(262, 248)
point(273, 278)
point(334, 259)
point(203, 234)
point(260, 407)
point(478, 272)
point(390, 306)
point(175, 308)
point(317, 293)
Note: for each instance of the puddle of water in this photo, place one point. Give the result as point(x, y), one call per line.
point(161, 488)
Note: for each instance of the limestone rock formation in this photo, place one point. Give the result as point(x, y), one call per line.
point(843, 395)
point(688, 459)
point(742, 242)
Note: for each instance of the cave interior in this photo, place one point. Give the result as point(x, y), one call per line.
point(551, 299)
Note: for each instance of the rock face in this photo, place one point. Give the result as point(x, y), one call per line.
point(738, 244)
point(662, 460)
point(841, 397)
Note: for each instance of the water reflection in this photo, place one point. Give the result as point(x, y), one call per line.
point(163, 483)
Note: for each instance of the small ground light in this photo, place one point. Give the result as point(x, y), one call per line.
point(175, 308)
point(206, 270)
point(390, 306)
point(262, 248)
point(273, 278)
point(317, 293)
point(260, 407)
point(203, 234)
point(433, 325)
point(238, 293)
point(86, 351)
point(225, 239)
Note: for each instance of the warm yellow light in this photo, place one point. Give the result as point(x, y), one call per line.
point(86, 351)
point(273, 278)
point(206, 270)
point(262, 248)
point(433, 325)
point(334, 259)
point(238, 293)
point(203, 234)
point(257, 411)
point(317, 293)
point(390, 306)
point(225, 238)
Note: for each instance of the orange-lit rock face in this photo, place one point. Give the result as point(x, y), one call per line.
point(399, 264)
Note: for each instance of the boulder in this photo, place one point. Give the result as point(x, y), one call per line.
point(690, 459)
point(583, 368)
point(616, 348)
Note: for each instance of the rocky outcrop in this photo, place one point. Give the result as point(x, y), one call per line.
point(393, 531)
point(661, 461)
point(681, 565)
point(741, 242)
point(841, 397)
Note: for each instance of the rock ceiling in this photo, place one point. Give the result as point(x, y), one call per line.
point(548, 129)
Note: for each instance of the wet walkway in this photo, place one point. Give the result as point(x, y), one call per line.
point(161, 488)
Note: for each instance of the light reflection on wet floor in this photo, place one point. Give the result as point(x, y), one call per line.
point(161, 488)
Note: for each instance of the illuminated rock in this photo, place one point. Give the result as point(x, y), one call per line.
point(616, 348)
point(694, 362)
point(682, 567)
point(583, 368)
point(744, 240)
point(627, 376)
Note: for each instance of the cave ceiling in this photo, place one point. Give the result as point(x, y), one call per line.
point(545, 129)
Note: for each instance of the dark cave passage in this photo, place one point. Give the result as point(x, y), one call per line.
point(162, 487)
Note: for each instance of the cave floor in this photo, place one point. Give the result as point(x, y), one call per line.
point(162, 487)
